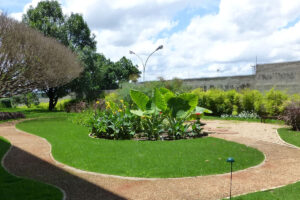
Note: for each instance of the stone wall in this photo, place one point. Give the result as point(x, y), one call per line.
point(225, 83)
point(282, 76)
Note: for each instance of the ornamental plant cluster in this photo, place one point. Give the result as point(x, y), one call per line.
point(164, 115)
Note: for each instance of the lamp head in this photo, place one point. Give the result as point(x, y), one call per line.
point(230, 160)
point(159, 47)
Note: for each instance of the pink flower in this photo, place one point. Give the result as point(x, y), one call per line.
point(198, 114)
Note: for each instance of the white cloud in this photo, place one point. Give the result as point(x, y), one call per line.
point(228, 39)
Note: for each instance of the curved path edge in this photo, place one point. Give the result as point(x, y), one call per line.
point(277, 169)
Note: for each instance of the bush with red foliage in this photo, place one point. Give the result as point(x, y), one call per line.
point(291, 115)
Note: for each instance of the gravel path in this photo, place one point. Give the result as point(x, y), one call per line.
point(30, 156)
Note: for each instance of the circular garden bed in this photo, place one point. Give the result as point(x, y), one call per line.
point(156, 159)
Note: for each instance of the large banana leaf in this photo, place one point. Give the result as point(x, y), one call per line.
point(140, 99)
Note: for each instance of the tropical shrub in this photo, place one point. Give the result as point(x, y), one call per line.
point(165, 107)
point(291, 115)
point(150, 112)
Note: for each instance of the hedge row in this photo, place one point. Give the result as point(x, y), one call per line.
point(232, 102)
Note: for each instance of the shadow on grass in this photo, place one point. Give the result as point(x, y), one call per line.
point(24, 164)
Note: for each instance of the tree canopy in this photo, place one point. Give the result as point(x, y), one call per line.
point(29, 60)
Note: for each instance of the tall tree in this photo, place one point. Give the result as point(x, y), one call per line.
point(78, 33)
point(89, 84)
point(29, 60)
point(71, 31)
point(101, 74)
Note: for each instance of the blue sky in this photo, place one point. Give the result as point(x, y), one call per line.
point(11, 6)
point(201, 38)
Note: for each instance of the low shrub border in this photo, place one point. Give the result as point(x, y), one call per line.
point(11, 115)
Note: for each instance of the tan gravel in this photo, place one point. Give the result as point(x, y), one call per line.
point(30, 157)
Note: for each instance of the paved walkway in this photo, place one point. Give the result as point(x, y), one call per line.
point(30, 157)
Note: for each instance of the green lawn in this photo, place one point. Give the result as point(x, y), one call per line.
point(13, 188)
point(292, 137)
point(72, 145)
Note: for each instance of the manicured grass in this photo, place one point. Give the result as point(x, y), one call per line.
point(72, 145)
point(268, 121)
point(13, 188)
point(289, 192)
point(290, 136)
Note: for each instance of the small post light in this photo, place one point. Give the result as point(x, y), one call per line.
point(231, 161)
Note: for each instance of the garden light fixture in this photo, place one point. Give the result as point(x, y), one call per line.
point(231, 161)
point(145, 63)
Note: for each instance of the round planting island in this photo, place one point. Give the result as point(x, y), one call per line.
point(72, 145)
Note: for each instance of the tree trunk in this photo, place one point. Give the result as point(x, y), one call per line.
point(53, 98)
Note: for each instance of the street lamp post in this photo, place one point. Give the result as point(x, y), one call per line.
point(145, 63)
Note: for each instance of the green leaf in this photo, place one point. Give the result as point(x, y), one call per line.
point(192, 100)
point(159, 100)
point(137, 112)
point(201, 110)
point(163, 91)
point(140, 99)
point(178, 105)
